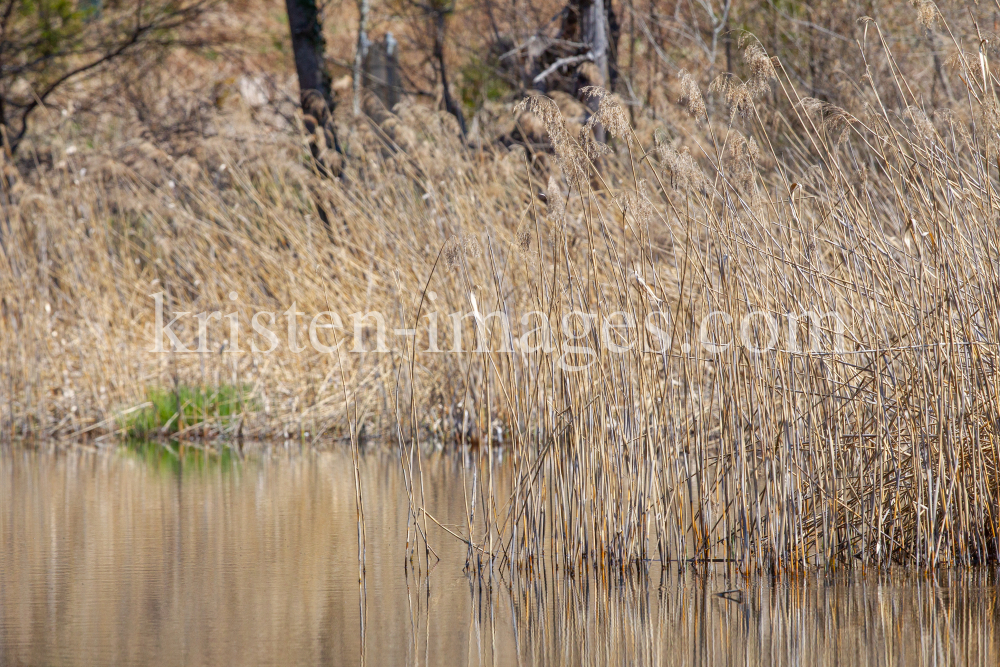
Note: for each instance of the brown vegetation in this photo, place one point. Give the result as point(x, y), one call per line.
point(761, 192)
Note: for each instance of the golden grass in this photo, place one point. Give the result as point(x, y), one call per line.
point(883, 451)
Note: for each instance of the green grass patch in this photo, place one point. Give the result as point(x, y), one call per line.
point(170, 411)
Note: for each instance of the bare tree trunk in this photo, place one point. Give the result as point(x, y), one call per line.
point(308, 46)
point(315, 98)
point(449, 102)
point(380, 71)
point(594, 33)
point(614, 34)
point(359, 53)
point(631, 59)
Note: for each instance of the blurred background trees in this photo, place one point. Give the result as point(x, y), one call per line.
point(47, 44)
point(470, 58)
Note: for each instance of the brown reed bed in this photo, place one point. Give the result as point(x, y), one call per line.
point(874, 446)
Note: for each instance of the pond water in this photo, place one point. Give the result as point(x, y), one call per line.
point(138, 557)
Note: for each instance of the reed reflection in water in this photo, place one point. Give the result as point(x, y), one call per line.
point(138, 557)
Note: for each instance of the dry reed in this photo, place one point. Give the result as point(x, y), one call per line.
point(805, 454)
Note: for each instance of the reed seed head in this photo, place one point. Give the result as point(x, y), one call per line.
point(736, 93)
point(610, 112)
point(691, 98)
point(452, 253)
point(470, 244)
point(569, 154)
point(637, 203)
point(927, 13)
point(921, 123)
point(761, 69)
point(522, 239)
point(592, 148)
point(683, 171)
point(835, 120)
point(557, 203)
point(744, 156)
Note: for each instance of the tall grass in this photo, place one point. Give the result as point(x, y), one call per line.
point(883, 451)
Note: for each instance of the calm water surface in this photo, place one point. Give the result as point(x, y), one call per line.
point(134, 557)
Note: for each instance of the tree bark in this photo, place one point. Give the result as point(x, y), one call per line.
point(599, 31)
point(594, 33)
point(614, 35)
point(308, 46)
point(594, 24)
point(360, 52)
point(380, 72)
point(449, 102)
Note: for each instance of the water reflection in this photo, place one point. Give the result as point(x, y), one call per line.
point(143, 557)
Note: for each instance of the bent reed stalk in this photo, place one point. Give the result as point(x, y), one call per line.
point(620, 443)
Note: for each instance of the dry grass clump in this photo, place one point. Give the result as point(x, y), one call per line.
point(693, 440)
